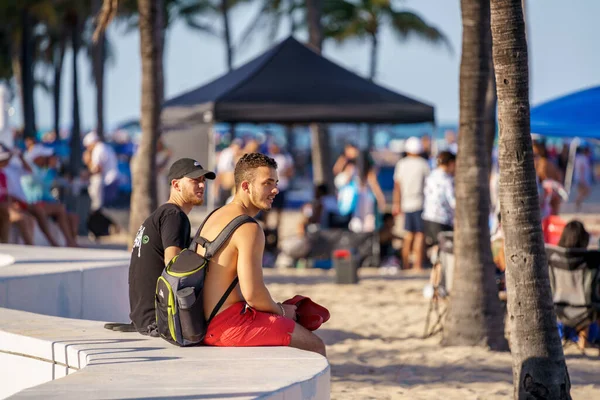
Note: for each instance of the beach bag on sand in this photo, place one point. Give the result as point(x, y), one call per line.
point(178, 300)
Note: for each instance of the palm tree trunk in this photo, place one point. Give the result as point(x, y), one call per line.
point(539, 368)
point(374, 51)
point(314, 13)
point(227, 33)
point(75, 141)
point(27, 77)
point(59, 58)
point(474, 316)
point(491, 100)
point(143, 197)
point(321, 158)
point(98, 63)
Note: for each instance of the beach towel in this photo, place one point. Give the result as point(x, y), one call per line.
point(308, 313)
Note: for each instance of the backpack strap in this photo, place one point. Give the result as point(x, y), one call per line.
point(213, 247)
point(199, 240)
point(222, 300)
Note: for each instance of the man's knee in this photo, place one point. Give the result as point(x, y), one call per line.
point(320, 346)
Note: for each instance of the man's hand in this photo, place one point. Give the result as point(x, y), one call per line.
point(290, 311)
point(396, 210)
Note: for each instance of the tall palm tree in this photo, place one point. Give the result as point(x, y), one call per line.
point(98, 55)
point(151, 26)
point(74, 23)
point(474, 316)
point(364, 19)
point(539, 368)
point(321, 161)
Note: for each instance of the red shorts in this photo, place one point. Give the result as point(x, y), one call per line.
point(235, 327)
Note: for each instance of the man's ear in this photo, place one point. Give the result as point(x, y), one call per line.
point(245, 186)
point(175, 184)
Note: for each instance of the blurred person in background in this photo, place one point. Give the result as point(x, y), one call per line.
point(563, 160)
point(13, 210)
point(426, 143)
point(550, 178)
point(225, 167)
point(574, 236)
point(440, 202)
point(101, 162)
point(350, 154)
point(252, 146)
point(409, 182)
point(582, 175)
point(37, 186)
point(451, 142)
point(285, 170)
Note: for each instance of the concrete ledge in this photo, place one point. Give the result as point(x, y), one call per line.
point(94, 363)
point(66, 282)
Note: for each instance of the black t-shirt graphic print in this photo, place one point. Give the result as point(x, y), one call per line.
point(167, 226)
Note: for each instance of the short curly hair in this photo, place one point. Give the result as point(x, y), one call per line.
point(247, 165)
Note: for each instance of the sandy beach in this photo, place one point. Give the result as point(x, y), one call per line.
point(375, 348)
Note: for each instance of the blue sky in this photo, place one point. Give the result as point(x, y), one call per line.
point(564, 57)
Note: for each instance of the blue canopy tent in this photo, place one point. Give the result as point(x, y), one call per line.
point(576, 115)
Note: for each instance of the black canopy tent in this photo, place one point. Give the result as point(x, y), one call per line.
point(290, 83)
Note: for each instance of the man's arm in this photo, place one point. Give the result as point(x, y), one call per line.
point(250, 242)
point(397, 199)
point(171, 252)
point(174, 234)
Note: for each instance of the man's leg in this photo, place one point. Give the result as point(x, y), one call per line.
point(74, 223)
point(42, 219)
point(25, 224)
point(406, 249)
point(58, 211)
point(4, 223)
point(419, 241)
point(304, 339)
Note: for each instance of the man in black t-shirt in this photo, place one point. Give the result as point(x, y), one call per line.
point(161, 237)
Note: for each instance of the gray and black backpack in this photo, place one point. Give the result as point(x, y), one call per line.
point(179, 299)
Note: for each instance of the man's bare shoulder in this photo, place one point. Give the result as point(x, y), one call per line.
point(248, 235)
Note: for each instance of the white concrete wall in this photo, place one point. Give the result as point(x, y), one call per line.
point(19, 372)
point(71, 283)
point(94, 363)
point(89, 287)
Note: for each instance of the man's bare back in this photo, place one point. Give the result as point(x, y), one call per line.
point(223, 266)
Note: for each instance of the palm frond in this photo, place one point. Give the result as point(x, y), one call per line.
point(407, 24)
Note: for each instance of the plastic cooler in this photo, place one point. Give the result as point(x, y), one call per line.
point(346, 268)
point(553, 227)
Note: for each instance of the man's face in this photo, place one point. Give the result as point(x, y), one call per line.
point(263, 188)
point(192, 190)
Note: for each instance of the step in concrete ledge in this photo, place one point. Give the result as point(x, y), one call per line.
point(81, 359)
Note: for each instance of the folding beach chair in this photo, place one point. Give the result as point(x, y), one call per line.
point(441, 278)
point(575, 280)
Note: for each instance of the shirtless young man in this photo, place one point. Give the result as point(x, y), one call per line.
point(249, 316)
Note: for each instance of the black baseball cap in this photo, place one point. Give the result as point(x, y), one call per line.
point(186, 167)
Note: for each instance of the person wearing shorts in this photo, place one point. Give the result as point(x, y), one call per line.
point(249, 316)
point(409, 180)
point(440, 201)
